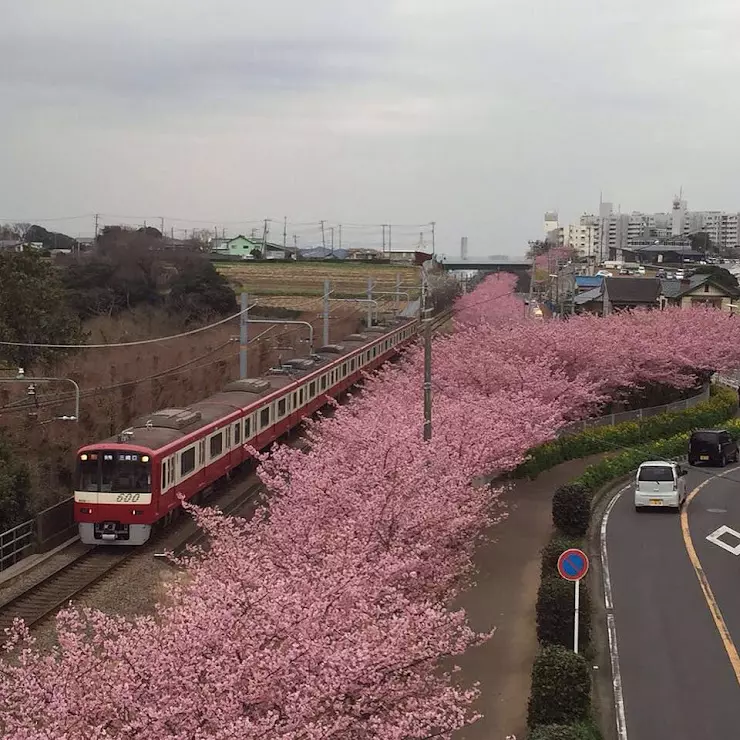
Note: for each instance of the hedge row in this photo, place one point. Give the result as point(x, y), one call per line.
point(560, 700)
point(721, 405)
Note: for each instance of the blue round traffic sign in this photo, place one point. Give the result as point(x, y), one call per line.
point(573, 564)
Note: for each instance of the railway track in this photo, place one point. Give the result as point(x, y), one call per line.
point(59, 587)
point(96, 562)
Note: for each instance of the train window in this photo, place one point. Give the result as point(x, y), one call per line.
point(312, 389)
point(164, 475)
point(248, 427)
point(216, 445)
point(265, 417)
point(187, 461)
point(282, 407)
point(352, 364)
point(300, 396)
point(344, 369)
point(323, 382)
point(228, 438)
point(237, 433)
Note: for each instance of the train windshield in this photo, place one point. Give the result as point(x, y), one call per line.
point(114, 472)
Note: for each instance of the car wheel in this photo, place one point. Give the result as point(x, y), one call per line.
point(638, 509)
point(722, 461)
point(692, 462)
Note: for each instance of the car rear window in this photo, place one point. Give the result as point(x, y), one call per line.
point(711, 437)
point(660, 473)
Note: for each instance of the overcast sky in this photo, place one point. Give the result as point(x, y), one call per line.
point(476, 114)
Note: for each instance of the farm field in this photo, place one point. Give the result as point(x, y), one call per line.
point(307, 278)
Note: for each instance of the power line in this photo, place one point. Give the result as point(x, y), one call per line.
point(125, 344)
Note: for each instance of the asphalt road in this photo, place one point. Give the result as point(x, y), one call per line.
point(678, 679)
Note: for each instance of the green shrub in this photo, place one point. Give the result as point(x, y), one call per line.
point(558, 544)
point(555, 613)
point(579, 731)
point(571, 509)
point(721, 406)
point(561, 688)
point(602, 472)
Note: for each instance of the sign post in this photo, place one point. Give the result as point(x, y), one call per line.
point(572, 566)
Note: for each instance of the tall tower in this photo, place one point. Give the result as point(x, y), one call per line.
point(551, 222)
point(678, 215)
point(464, 248)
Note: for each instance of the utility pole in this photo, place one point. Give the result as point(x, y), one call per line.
point(340, 236)
point(528, 305)
point(161, 224)
point(433, 238)
point(384, 240)
point(427, 359)
point(295, 240)
point(97, 217)
point(389, 239)
point(331, 229)
point(369, 305)
point(265, 231)
point(398, 290)
point(243, 337)
point(285, 231)
point(323, 235)
point(326, 312)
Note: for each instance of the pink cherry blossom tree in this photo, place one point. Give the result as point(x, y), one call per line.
point(327, 615)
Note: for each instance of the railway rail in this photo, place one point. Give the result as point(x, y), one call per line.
point(59, 587)
point(95, 562)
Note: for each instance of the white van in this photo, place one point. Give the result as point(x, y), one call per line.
point(660, 483)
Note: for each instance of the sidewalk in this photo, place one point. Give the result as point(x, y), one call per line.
point(504, 597)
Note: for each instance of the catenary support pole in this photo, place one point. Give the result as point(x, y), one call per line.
point(427, 361)
point(528, 305)
point(326, 312)
point(369, 305)
point(575, 617)
point(398, 289)
point(243, 337)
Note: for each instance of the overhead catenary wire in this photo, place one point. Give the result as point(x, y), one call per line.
point(113, 345)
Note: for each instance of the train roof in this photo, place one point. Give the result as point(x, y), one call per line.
point(159, 428)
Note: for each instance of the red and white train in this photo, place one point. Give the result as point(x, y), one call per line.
point(125, 485)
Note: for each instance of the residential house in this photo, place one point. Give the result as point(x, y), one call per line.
point(698, 290)
point(242, 247)
point(618, 294)
point(359, 253)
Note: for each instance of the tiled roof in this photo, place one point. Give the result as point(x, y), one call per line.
point(632, 290)
point(588, 296)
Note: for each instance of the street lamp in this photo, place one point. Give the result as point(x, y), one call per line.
point(31, 392)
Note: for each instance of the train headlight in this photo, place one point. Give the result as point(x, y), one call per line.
point(145, 458)
point(83, 456)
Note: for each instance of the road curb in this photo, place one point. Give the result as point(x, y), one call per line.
point(607, 685)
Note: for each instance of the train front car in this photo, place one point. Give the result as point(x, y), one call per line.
point(114, 494)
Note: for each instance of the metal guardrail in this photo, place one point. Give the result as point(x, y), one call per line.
point(17, 544)
point(611, 420)
point(48, 529)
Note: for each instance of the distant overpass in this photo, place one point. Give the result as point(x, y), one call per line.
point(486, 265)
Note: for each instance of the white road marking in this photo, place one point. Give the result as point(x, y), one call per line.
point(714, 538)
point(611, 624)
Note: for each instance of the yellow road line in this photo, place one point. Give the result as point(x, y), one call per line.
point(714, 609)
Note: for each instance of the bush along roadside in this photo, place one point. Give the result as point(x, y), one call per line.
point(560, 700)
point(722, 404)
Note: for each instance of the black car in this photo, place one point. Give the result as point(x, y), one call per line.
point(713, 446)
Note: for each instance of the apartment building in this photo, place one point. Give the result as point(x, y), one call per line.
point(597, 235)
